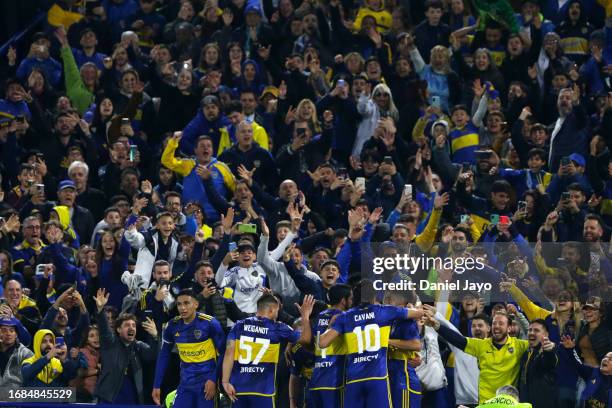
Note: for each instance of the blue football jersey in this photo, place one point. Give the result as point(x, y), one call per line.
point(366, 330)
point(199, 344)
point(257, 349)
point(399, 370)
point(328, 371)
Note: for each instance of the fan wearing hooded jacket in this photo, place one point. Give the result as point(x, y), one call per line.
point(50, 366)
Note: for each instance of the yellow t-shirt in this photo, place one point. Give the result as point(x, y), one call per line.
point(497, 367)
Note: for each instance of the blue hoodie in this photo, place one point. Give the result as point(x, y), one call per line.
point(258, 83)
point(200, 126)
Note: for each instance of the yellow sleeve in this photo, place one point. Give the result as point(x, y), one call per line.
point(363, 11)
point(224, 141)
point(228, 176)
point(543, 269)
point(475, 231)
point(474, 346)
point(180, 166)
point(261, 136)
point(532, 311)
point(418, 132)
point(425, 239)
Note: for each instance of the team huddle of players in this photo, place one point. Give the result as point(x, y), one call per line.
point(361, 353)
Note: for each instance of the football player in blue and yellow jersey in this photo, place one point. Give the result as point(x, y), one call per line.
point(199, 339)
point(327, 382)
point(252, 352)
point(365, 330)
point(404, 345)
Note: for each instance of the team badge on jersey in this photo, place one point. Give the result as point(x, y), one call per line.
point(197, 334)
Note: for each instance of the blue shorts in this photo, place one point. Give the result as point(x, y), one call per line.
point(254, 401)
point(188, 396)
point(326, 398)
point(406, 398)
point(367, 394)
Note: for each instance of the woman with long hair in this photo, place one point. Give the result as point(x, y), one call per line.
point(112, 260)
point(307, 111)
point(443, 84)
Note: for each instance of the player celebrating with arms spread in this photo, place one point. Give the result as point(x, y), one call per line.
point(200, 340)
point(366, 329)
point(252, 352)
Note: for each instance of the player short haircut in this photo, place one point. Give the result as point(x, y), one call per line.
point(338, 292)
point(267, 301)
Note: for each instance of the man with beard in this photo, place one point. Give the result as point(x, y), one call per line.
point(65, 133)
point(498, 357)
point(50, 366)
point(56, 318)
point(539, 368)
point(568, 135)
point(199, 339)
point(209, 121)
point(122, 356)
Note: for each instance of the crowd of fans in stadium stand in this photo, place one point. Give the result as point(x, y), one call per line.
point(226, 164)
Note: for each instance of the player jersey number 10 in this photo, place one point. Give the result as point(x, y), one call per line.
point(246, 346)
point(368, 338)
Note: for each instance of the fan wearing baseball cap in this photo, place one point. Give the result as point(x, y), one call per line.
point(13, 350)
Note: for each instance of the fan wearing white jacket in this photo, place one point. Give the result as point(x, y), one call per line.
point(246, 279)
point(431, 371)
point(466, 366)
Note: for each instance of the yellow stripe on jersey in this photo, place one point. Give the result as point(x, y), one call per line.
point(355, 346)
point(197, 352)
point(250, 351)
point(402, 355)
point(469, 140)
point(336, 348)
point(574, 45)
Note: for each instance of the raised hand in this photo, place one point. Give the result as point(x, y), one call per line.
point(246, 175)
point(547, 345)
point(505, 285)
point(441, 200)
point(101, 299)
point(227, 220)
point(306, 308)
point(567, 342)
point(375, 215)
point(265, 231)
point(149, 326)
